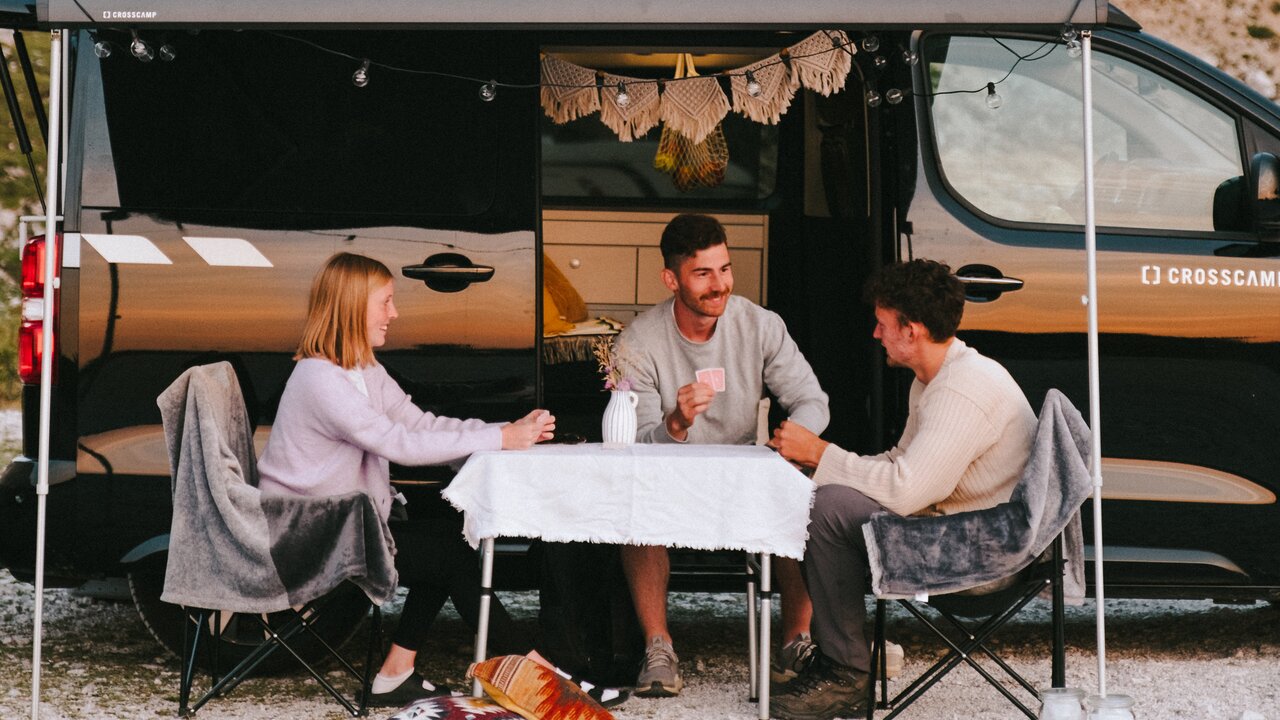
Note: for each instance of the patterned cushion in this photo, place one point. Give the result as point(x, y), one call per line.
point(535, 691)
point(454, 708)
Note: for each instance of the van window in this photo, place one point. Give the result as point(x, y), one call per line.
point(264, 122)
point(1160, 152)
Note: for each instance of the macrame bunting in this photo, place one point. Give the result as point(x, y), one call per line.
point(639, 116)
point(776, 91)
point(694, 107)
point(691, 164)
point(821, 62)
point(568, 91)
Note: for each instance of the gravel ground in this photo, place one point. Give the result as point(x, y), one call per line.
point(1178, 659)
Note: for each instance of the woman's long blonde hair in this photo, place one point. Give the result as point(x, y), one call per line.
point(337, 312)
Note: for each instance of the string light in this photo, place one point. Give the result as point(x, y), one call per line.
point(168, 53)
point(871, 43)
point(873, 98)
point(489, 91)
point(141, 49)
point(1074, 48)
point(893, 96)
point(880, 61)
point(102, 49)
point(910, 57)
point(623, 98)
point(360, 77)
point(753, 85)
point(993, 98)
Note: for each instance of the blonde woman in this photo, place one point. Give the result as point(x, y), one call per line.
point(342, 419)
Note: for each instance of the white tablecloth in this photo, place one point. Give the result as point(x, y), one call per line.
point(705, 497)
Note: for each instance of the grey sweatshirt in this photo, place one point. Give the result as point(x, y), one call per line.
point(750, 343)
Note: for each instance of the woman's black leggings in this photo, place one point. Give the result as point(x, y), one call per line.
point(436, 564)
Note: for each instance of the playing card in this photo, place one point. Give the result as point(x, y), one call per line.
point(713, 377)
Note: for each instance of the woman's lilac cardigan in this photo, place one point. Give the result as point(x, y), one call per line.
point(329, 439)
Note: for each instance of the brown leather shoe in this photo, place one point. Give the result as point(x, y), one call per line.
point(823, 691)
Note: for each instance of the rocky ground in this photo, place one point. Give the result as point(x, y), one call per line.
point(1241, 37)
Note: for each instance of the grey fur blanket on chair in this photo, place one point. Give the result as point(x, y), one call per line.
point(935, 555)
point(233, 549)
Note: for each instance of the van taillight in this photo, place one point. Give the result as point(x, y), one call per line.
point(30, 333)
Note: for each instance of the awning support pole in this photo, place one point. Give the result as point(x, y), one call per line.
point(1091, 303)
point(52, 175)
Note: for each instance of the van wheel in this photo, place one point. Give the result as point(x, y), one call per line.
point(340, 620)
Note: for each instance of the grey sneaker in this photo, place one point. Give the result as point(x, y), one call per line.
point(660, 674)
point(823, 691)
point(794, 657)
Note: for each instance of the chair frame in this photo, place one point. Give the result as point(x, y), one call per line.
point(972, 641)
point(278, 635)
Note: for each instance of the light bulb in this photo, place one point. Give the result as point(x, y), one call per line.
point(871, 43)
point(753, 85)
point(360, 77)
point(141, 49)
point(910, 57)
point(1068, 33)
point(489, 91)
point(873, 98)
point(623, 98)
point(102, 49)
point(993, 98)
point(880, 61)
point(894, 96)
point(167, 53)
point(1074, 48)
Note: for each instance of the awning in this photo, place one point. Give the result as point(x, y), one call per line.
point(574, 14)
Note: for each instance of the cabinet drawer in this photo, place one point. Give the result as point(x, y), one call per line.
point(650, 290)
point(600, 274)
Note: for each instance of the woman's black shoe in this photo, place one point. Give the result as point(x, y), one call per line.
point(415, 687)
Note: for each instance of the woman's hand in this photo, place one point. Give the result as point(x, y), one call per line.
point(533, 428)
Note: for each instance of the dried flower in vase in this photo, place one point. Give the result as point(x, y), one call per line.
point(613, 366)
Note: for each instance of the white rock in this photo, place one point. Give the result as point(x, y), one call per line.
point(1260, 81)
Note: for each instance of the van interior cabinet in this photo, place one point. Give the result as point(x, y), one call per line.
point(613, 260)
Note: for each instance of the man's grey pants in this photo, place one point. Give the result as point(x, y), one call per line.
point(835, 570)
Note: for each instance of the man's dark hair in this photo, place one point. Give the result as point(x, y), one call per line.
point(922, 291)
point(686, 234)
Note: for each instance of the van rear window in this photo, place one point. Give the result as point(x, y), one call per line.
point(260, 121)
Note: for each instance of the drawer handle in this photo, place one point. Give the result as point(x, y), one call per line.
point(575, 263)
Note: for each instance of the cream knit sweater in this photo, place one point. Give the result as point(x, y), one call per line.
point(967, 436)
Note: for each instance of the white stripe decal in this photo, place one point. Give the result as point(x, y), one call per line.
point(229, 252)
point(127, 249)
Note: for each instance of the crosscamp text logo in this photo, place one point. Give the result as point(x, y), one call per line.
point(129, 14)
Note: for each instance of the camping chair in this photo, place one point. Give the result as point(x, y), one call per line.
point(1030, 546)
point(275, 561)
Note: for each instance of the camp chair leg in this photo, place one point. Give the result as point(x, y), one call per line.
point(283, 642)
point(878, 668)
point(190, 649)
point(375, 644)
point(753, 638)
point(1059, 678)
point(962, 653)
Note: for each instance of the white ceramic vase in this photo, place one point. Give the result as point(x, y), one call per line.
point(618, 425)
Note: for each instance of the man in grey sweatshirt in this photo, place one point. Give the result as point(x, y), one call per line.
point(700, 363)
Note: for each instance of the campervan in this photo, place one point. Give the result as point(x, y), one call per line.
point(216, 154)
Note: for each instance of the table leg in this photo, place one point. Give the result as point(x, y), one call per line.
point(766, 616)
point(486, 594)
point(753, 626)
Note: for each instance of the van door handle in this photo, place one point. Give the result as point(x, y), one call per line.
point(448, 272)
point(983, 283)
